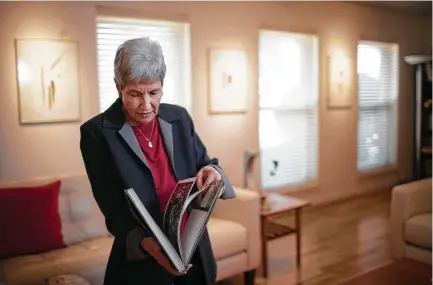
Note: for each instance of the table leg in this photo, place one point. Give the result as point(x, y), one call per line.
point(298, 236)
point(264, 249)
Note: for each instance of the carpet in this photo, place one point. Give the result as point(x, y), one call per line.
point(401, 272)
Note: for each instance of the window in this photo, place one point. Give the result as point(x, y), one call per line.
point(377, 101)
point(288, 101)
point(174, 39)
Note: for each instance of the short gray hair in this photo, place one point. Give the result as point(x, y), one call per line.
point(139, 60)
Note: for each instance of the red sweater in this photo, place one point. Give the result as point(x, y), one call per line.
point(158, 161)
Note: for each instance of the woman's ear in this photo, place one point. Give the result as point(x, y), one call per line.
point(119, 89)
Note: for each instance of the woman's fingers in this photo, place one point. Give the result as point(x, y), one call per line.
point(209, 179)
point(206, 176)
point(152, 247)
point(222, 191)
point(200, 179)
point(163, 261)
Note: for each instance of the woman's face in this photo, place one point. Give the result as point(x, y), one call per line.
point(141, 101)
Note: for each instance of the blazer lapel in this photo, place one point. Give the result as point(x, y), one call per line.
point(167, 137)
point(128, 135)
point(115, 118)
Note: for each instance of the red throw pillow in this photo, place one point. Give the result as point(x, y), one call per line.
point(29, 220)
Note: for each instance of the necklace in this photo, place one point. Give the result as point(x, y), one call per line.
point(151, 133)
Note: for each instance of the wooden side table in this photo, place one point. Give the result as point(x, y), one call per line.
point(278, 204)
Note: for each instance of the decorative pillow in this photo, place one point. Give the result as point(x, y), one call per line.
point(29, 220)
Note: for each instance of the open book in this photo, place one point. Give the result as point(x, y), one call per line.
point(179, 247)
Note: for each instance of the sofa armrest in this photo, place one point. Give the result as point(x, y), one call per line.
point(407, 200)
point(245, 210)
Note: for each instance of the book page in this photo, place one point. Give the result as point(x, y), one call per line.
point(185, 207)
point(190, 198)
point(202, 206)
point(173, 211)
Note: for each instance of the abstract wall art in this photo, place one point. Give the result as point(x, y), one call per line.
point(48, 85)
point(228, 81)
point(340, 82)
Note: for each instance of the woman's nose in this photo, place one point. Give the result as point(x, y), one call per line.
point(146, 100)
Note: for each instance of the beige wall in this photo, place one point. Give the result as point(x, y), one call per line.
point(32, 151)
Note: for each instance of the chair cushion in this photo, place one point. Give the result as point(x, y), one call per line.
point(227, 238)
point(74, 259)
point(29, 219)
point(418, 230)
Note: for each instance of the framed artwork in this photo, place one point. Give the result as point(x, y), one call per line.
point(48, 85)
point(228, 81)
point(339, 82)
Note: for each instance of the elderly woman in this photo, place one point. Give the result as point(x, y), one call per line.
point(142, 144)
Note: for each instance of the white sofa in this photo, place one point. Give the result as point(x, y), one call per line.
point(411, 221)
point(88, 242)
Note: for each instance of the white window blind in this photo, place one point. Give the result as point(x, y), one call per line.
point(377, 65)
point(174, 39)
point(288, 101)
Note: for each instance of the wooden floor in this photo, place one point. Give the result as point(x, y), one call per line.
point(401, 272)
point(338, 241)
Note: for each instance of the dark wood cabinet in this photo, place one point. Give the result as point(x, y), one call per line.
point(422, 96)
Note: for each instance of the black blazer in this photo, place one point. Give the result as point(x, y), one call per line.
point(114, 162)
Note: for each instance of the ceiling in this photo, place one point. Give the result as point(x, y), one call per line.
point(422, 8)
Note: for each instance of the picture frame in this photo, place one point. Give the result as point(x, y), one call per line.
point(340, 74)
point(47, 80)
point(228, 81)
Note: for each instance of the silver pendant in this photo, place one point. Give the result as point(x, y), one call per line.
point(150, 144)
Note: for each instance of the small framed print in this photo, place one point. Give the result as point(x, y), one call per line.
point(228, 81)
point(339, 95)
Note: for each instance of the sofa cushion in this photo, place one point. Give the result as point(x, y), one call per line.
point(418, 230)
point(80, 215)
point(74, 259)
point(29, 219)
point(227, 238)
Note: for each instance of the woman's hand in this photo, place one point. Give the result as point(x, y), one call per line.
point(206, 176)
point(153, 248)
